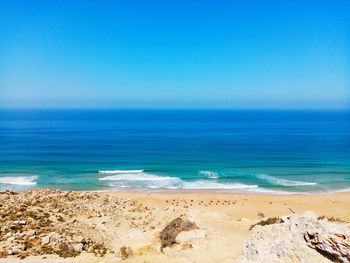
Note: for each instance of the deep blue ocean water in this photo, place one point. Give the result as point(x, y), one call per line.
point(255, 151)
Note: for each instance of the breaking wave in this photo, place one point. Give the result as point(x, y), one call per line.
point(214, 185)
point(120, 171)
point(138, 178)
point(141, 179)
point(18, 180)
point(209, 174)
point(283, 182)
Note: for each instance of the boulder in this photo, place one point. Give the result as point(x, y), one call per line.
point(78, 247)
point(298, 239)
point(45, 240)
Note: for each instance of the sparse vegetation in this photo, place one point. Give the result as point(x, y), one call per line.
point(343, 219)
point(268, 221)
point(126, 252)
point(169, 233)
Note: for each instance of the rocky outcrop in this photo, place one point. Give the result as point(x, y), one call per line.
point(41, 222)
point(335, 246)
point(298, 239)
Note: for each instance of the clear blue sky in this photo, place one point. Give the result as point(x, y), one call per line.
point(175, 54)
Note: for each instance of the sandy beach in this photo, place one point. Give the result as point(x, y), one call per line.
point(111, 226)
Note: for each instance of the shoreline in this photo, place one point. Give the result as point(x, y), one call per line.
point(211, 191)
point(139, 190)
point(188, 191)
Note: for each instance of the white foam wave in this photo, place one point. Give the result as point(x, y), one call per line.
point(120, 171)
point(147, 180)
point(344, 190)
point(209, 174)
point(214, 185)
point(283, 182)
point(136, 177)
point(18, 180)
point(141, 179)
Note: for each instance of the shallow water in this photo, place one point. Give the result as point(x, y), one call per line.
point(254, 151)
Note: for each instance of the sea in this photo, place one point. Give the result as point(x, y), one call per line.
point(255, 151)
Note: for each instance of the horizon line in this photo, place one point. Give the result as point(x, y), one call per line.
point(172, 109)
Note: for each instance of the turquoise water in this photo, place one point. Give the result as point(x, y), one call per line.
point(249, 151)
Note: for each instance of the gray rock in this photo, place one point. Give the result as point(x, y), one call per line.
point(335, 246)
point(22, 222)
point(78, 247)
point(286, 242)
point(79, 239)
point(45, 240)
